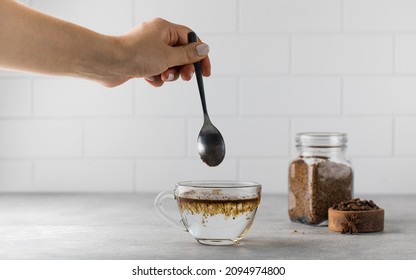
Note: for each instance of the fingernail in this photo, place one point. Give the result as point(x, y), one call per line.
point(170, 77)
point(150, 78)
point(202, 49)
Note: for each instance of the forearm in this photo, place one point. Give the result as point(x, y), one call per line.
point(32, 41)
point(35, 42)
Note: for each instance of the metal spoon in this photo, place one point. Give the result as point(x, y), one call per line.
point(211, 146)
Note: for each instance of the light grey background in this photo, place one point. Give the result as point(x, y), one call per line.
point(278, 67)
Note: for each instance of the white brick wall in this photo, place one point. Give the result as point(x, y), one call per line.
point(278, 67)
point(406, 56)
point(40, 138)
point(290, 16)
point(15, 97)
point(129, 138)
point(290, 96)
point(78, 98)
point(380, 15)
point(249, 54)
point(214, 16)
point(342, 54)
point(83, 175)
point(180, 99)
point(106, 16)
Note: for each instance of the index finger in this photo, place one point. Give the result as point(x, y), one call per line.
point(179, 35)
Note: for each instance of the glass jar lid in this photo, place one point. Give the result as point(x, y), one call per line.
point(321, 139)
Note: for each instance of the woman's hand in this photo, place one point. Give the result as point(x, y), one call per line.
point(159, 51)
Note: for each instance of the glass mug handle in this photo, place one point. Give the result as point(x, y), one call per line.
point(160, 198)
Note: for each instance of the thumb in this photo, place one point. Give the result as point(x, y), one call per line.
point(187, 54)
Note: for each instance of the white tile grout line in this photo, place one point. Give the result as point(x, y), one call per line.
point(290, 131)
point(238, 96)
point(237, 17)
point(134, 179)
point(342, 16)
point(186, 142)
point(32, 179)
point(290, 55)
point(238, 168)
point(83, 139)
point(342, 95)
point(133, 99)
point(393, 140)
point(394, 62)
point(133, 16)
point(32, 98)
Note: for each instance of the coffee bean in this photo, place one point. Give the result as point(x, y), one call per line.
point(356, 204)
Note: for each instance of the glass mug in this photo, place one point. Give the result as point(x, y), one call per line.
point(213, 212)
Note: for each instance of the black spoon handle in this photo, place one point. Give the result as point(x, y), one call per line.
point(192, 38)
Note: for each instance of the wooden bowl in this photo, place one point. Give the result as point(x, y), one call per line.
point(356, 221)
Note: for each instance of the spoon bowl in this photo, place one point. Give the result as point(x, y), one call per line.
point(211, 146)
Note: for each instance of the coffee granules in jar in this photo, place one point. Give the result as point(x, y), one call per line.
point(319, 177)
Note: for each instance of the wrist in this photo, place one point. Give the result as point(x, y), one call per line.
point(107, 62)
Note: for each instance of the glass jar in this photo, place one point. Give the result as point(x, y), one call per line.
point(319, 177)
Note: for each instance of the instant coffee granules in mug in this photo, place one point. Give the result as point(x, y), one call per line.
point(319, 177)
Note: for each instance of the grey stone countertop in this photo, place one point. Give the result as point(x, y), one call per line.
point(126, 227)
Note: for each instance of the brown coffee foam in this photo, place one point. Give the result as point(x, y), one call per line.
point(210, 206)
point(214, 195)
